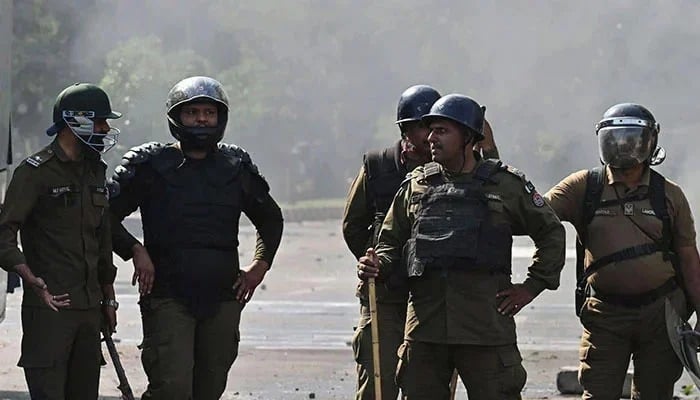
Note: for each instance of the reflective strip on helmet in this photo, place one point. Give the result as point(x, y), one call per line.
point(625, 121)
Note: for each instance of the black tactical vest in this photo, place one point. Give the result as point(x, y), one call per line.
point(453, 228)
point(385, 172)
point(191, 225)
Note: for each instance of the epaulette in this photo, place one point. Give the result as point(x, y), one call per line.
point(428, 172)
point(431, 169)
point(40, 157)
point(529, 187)
point(537, 199)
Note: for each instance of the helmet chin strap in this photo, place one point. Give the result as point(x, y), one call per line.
point(195, 145)
point(467, 143)
point(89, 152)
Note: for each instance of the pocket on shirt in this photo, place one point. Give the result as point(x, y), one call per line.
point(99, 199)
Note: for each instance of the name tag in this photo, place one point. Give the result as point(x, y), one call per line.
point(648, 211)
point(493, 196)
point(605, 212)
point(59, 190)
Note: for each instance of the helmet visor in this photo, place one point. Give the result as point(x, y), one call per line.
point(625, 146)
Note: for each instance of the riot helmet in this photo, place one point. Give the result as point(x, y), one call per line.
point(414, 103)
point(197, 89)
point(461, 109)
point(627, 136)
point(77, 107)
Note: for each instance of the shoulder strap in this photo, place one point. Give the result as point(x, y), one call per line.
point(591, 199)
point(36, 159)
point(378, 163)
point(487, 169)
point(657, 198)
point(372, 162)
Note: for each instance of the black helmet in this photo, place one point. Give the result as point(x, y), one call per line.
point(76, 107)
point(627, 135)
point(415, 102)
point(461, 109)
point(192, 90)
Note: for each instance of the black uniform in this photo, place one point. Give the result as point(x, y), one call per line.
point(190, 212)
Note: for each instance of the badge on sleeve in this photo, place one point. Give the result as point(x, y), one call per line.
point(537, 200)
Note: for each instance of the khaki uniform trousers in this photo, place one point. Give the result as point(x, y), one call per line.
point(185, 358)
point(392, 320)
point(488, 372)
point(61, 353)
point(613, 334)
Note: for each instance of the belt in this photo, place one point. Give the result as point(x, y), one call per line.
point(636, 300)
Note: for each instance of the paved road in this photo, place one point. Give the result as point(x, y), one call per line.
point(296, 331)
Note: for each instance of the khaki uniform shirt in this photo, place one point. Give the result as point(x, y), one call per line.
point(611, 230)
point(59, 207)
point(461, 307)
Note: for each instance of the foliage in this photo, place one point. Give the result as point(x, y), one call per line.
point(314, 84)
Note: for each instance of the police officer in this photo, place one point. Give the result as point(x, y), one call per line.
point(452, 223)
point(191, 194)
point(57, 200)
point(636, 230)
point(368, 200)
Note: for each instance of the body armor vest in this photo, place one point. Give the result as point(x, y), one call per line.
point(385, 172)
point(191, 226)
point(453, 228)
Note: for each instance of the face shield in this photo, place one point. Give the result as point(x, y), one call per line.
point(82, 124)
point(626, 142)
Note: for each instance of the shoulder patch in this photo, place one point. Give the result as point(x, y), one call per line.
point(39, 158)
point(537, 200)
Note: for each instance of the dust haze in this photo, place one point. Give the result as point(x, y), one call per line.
point(314, 83)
